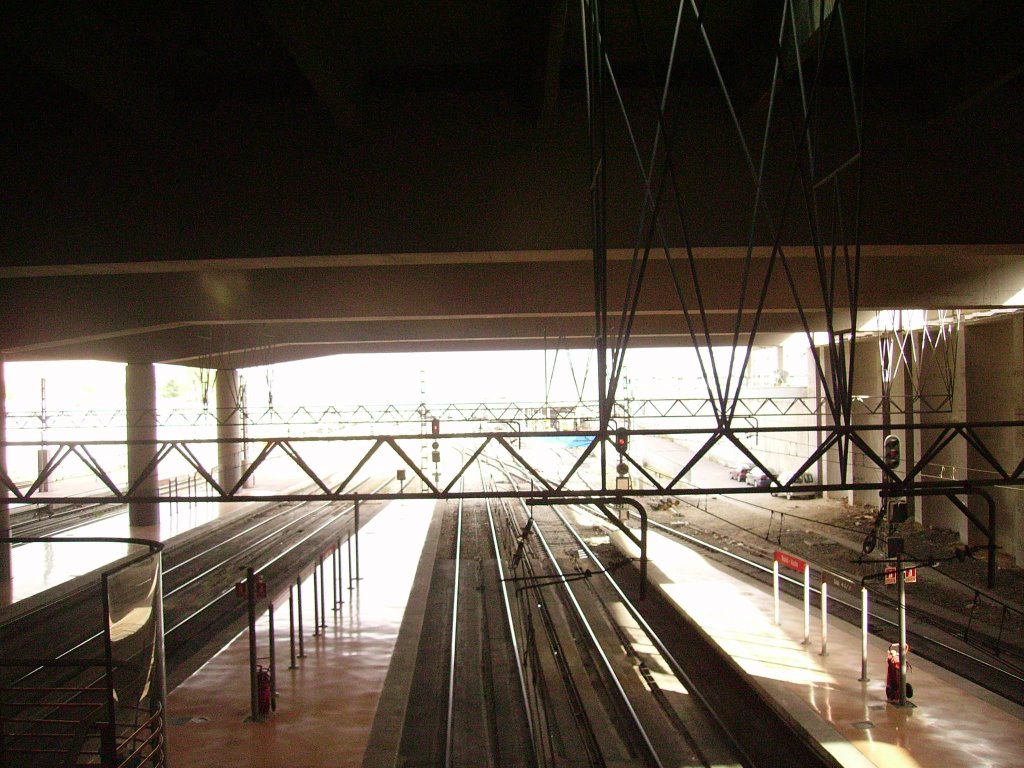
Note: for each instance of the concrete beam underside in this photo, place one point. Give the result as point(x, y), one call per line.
point(309, 306)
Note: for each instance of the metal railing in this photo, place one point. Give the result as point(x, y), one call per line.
point(107, 711)
point(66, 725)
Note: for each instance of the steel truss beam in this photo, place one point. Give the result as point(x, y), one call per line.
point(349, 455)
point(494, 413)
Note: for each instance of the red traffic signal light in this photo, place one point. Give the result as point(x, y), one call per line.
point(891, 451)
point(435, 426)
point(621, 439)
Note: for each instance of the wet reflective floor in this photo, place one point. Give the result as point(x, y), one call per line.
point(326, 705)
point(952, 723)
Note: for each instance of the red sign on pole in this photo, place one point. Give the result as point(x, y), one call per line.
point(790, 561)
point(909, 575)
point(242, 588)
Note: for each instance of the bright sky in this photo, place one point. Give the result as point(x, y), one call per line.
point(400, 378)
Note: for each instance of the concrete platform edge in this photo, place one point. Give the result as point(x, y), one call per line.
point(386, 731)
point(815, 731)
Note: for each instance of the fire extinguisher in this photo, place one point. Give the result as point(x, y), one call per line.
point(892, 672)
point(264, 699)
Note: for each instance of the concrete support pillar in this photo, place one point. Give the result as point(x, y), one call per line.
point(829, 469)
point(994, 364)
point(229, 427)
point(5, 510)
point(868, 382)
point(939, 405)
point(910, 406)
point(140, 405)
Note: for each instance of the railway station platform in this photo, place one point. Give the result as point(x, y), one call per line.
point(326, 705)
point(952, 722)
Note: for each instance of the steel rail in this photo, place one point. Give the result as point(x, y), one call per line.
point(66, 518)
point(508, 617)
point(606, 663)
point(677, 669)
point(584, 728)
point(284, 553)
point(223, 542)
point(249, 546)
point(449, 729)
point(79, 593)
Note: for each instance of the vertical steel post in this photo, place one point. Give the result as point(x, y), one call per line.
point(348, 544)
point(291, 626)
point(250, 594)
point(807, 603)
point(108, 741)
point(336, 573)
point(901, 586)
point(824, 618)
point(323, 593)
point(316, 606)
point(643, 553)
point(273, 655)
point(298, 592)
point(991, 541)
point(159, 654)
point(863, 634)
point(358, 577)
point(775, 592)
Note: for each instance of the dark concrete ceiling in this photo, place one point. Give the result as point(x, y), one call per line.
point(254, 181)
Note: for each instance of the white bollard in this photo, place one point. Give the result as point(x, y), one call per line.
point(807, 603)
point(864, 634)
point(824, 618)
point(775, 590)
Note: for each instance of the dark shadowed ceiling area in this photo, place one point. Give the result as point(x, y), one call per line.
point(258, 180)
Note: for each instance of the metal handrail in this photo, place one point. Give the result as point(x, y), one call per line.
point(95, 730)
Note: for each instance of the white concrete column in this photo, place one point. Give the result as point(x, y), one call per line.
point(994, 365)
point(868, 381)
point(951, 462)
point(5, 510)
point(140, 405)
point(829, 470)
point(229, 427)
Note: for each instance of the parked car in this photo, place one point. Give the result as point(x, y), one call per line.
point(739, 473)
point(798, 489)
point(757, 478)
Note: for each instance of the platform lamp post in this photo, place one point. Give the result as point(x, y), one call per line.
point(896, 513)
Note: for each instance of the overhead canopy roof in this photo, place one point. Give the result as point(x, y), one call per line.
point(247, 182)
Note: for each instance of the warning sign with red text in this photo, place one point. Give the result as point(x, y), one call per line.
point(790, 561)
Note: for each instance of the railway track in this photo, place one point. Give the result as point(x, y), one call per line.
point(534, 656)
point(46, 520)
point(724, 719)
point(935, 635)
point(200, 609)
